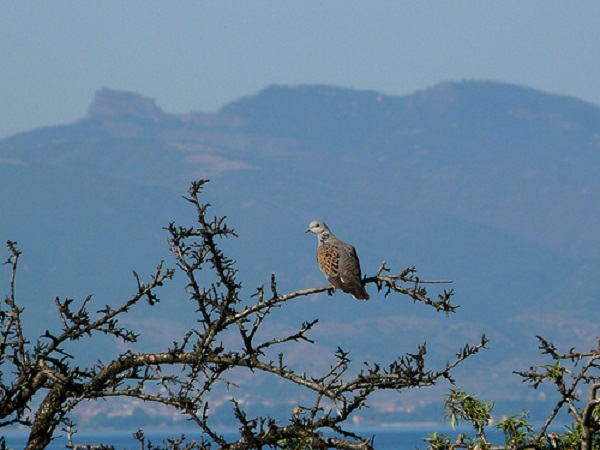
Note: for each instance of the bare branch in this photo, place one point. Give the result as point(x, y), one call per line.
point(182, 375)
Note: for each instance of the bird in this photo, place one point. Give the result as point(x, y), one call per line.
point(338, 261)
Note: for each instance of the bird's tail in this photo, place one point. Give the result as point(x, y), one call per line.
point(360, 293)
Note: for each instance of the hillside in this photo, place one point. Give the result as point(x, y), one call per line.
point(492, 185)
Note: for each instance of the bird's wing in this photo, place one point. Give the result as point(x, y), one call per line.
point(350, 273)
point(349, 264)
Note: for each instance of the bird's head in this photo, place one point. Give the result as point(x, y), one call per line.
point(317, 227)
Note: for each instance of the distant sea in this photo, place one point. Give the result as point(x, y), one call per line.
point(404, 437)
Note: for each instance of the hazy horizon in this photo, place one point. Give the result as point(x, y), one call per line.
point(202, 55)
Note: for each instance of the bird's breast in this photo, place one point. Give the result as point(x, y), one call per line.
point(328, 259)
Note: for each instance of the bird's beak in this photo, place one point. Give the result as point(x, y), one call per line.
point(307, 230)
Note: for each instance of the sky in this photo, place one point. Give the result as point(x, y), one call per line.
point(198, 56)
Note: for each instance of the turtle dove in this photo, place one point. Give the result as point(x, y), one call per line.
point(338, 261)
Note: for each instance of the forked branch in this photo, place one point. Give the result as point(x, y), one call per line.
point(199, 362)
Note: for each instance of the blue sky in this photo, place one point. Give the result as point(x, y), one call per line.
point(199, 55)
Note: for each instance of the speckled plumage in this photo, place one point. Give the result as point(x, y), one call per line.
point(338, 261)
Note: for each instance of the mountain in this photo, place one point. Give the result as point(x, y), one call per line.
point(492, 185)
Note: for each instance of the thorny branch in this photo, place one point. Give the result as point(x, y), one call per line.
point(568, 382)
point(47, 371)
point(414, 288)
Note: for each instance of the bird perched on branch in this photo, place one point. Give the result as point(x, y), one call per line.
point(338, 261)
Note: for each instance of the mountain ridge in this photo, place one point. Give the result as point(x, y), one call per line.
point(489, 184)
